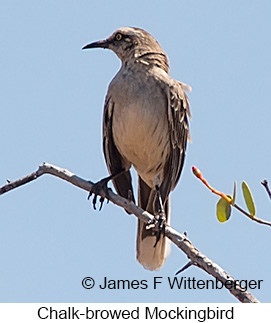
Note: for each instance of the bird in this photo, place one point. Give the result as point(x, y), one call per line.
point(145, 125)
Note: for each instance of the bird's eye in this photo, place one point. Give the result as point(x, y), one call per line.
point(118, 36)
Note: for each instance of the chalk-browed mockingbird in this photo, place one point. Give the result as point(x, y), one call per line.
point(145, 124)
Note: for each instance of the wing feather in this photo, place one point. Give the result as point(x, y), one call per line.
point(178, 116)
point(114, 161)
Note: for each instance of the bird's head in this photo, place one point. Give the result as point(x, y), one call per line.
point(132, 43)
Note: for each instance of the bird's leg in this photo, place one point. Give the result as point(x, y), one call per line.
point(161, 217)
point(102, 186)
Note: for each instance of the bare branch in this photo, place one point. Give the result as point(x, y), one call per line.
point(196, 258)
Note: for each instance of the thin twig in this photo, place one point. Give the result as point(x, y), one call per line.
point(198, 174)
point(266, 186)
point(180, 240)
point(253, 218)
point(186, 266)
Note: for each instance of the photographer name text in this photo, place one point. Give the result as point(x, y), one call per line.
point(172, 283)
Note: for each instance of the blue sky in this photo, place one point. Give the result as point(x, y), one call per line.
point(51, 104)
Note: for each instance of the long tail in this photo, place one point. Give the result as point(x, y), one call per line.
point(151, 258)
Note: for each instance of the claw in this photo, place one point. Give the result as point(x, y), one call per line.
point(89, 195)
point(101, 202)
point(96, 189)
point(94, 201)
point(161, 228)
point(151, 224)
point(102, 185)
point(161, 217)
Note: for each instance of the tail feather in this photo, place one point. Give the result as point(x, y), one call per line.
point(151, 258)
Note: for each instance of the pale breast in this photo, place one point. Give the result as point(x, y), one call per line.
point(140, 128)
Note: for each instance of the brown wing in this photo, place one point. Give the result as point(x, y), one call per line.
point(178, 115)
point(114, 161)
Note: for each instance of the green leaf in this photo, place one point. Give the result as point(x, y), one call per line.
point(248, 199)
point(234, 193)
point(223, 210)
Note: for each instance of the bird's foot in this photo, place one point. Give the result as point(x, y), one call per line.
point(99, 188)
point(151, 224)
point(160, 221)
point(160, 217)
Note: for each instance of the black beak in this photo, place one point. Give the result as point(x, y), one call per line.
point(98, 44)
